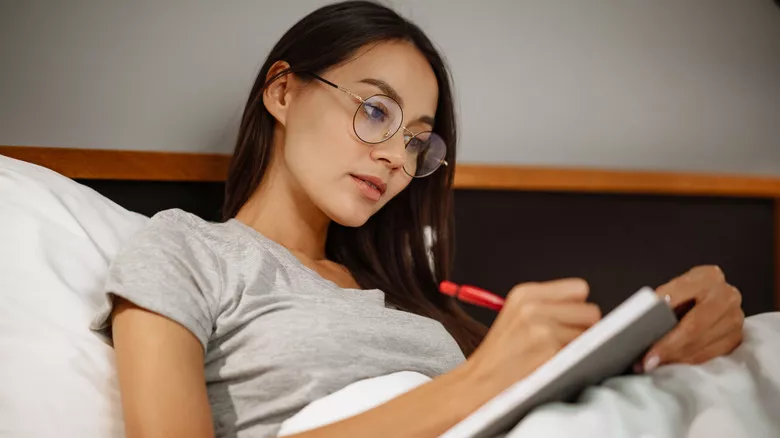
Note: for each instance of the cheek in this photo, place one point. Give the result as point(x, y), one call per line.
point(319, 137)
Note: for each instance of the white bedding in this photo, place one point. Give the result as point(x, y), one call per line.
point(57, 238)
point(733, 396)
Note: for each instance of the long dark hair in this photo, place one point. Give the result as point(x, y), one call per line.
point(389, 252)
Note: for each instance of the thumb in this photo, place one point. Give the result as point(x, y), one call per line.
point(650, 362)
point(664, 351)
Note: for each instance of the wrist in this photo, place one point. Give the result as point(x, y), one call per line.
point(473, 387)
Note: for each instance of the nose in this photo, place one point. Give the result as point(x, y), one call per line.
point(392, 151)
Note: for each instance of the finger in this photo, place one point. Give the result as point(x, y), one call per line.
point(729, 324)
point(565, 334)
point(707, 273)
point(725, 337)
point(691, 285)
point(723, 309)
point(569, 289)
point(720, 347)
point(690, 333)
point(573, 314)
point(677, 292)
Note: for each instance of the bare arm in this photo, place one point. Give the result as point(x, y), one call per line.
point(161, 371)
point(161, 376)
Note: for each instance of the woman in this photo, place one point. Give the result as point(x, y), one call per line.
point(320, 275)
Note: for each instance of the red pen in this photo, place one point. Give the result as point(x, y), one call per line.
point(472, 295)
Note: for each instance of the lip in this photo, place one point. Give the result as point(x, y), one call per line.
point(375, 180)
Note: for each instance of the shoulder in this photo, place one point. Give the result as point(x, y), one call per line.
point(170, 235)
point(177, 226)
point(186, 234)
point(177, 221)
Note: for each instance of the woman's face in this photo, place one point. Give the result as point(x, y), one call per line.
point(323, 154)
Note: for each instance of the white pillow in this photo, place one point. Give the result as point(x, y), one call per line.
point(57, 238)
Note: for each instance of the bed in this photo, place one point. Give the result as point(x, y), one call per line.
point(617, 229)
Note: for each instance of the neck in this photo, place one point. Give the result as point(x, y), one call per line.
point(280, 211)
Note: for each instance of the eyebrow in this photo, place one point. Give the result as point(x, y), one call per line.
point(385, 88)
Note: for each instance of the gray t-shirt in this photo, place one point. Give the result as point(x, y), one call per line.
point(276, 335)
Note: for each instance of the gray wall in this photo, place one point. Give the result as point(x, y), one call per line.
point(658, 84)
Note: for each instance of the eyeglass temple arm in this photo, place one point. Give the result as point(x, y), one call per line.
point(325, 81)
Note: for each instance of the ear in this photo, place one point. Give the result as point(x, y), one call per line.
point(277, 95)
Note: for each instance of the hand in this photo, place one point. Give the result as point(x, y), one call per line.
point(538, 319)
point(712, 327)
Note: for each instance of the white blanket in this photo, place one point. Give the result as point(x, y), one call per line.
point(733, 396)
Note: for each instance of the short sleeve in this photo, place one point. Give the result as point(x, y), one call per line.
point(166, 268)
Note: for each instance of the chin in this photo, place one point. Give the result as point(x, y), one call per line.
point(352, 222)
point(355, 219)
point(350, 214)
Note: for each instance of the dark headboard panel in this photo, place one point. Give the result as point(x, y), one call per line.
point(617, 242)
point(149, 197)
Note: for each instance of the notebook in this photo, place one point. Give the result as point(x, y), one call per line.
point(607, 349)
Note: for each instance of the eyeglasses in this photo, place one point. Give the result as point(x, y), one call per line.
point(379, 117)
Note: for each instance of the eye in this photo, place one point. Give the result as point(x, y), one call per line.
point(416, 145)
point(374, 111)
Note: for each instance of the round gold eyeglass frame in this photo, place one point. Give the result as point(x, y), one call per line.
point(408, 135)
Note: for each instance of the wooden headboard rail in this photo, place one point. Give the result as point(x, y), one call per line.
point(168, 166)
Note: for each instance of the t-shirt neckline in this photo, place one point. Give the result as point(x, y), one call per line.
point(281, 251)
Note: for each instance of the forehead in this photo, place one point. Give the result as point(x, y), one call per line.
point(402, 66)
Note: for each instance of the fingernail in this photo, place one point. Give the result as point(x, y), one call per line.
point(652, 363)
